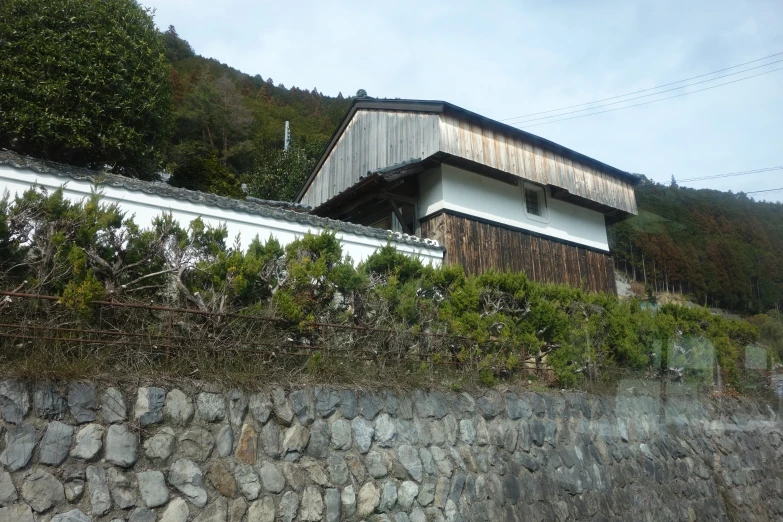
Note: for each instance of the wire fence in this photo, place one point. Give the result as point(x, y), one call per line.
point(130, 333)
point(42, 334)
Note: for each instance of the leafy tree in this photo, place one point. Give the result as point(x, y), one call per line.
point(361, 93)
point(279, 174)
point(212, 119)
point(207, 175)
point(84, 82)
point(176, 47)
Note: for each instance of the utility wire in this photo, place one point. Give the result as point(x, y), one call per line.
point(731, 174)
point(649, 102)
point(768, 190)
point(643, 90)
point(646, 95)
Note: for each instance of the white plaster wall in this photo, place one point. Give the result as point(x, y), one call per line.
point(145, 207)
point(451, 188)
point(430, 192)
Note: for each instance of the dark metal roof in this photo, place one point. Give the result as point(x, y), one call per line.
point(437, 107)
point(270, 209)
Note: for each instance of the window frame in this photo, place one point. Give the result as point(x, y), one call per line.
point(543, 205)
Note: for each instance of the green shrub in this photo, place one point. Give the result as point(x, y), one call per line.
point(496, 321)
point(84, 82)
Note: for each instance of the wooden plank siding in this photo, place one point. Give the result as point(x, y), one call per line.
point(479, 246)
point(373, 140)
point(491, 148)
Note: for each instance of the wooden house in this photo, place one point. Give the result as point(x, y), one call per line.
point(493, 195)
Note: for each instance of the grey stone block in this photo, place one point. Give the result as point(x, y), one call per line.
point(83, 401)
point(349, 406)
point(370, 404)
point(196, 444)
point(289, 506)
point(98, 487)
point(333, 506)
point(311, 506)
point(341, 434)
point(122, 445)
point(14, 400)
point(113, 406)
point(73, 515)
point(187, 477)
point(260, 406)
point(19, 444)
point(303, 405)
point(237, 407)
point(319, 439)
point(152, 487)
point(41, 490)
point(326, 401)
point(55, 443)
point(178, 407)
point(363, 432)
point(89, 442)
point(47, 401)
point(211, 407)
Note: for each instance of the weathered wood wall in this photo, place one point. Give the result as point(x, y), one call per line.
point(373, 140)
point(513, 155)
point(479, 246)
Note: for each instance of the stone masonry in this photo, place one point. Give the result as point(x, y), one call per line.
point(79, 452)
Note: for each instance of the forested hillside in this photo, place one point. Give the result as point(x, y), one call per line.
point(721, 249)
point(229, 127)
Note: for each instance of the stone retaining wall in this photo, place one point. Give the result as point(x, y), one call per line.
point(78, 452)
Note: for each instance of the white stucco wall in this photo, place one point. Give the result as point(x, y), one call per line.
point(450, 188)
point(145, 207)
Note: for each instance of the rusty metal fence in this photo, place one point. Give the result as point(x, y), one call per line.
point(158, 332)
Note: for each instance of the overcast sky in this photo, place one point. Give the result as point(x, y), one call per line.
point(505, 59)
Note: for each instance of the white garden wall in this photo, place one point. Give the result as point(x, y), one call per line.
point(246, 226)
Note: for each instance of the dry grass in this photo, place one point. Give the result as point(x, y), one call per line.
point(226, 367)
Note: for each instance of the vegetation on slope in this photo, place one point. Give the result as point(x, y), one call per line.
point(722, 249)
point(497, 326)
point(240, 119)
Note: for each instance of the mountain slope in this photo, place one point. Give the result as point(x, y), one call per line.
point(222, 113)
point(722, 249)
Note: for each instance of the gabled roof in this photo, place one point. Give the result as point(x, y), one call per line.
point(440, 107)
point(270, 209)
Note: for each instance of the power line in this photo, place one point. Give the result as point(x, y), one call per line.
point(731, 174)
point(649, 102)
point(768, 190)
point(643, 90)
point(646, 95)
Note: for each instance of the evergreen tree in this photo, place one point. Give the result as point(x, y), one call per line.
point(718, 248)
point(84, 82)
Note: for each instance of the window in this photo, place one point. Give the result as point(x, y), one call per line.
point(535, 202)
point(531, 201)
